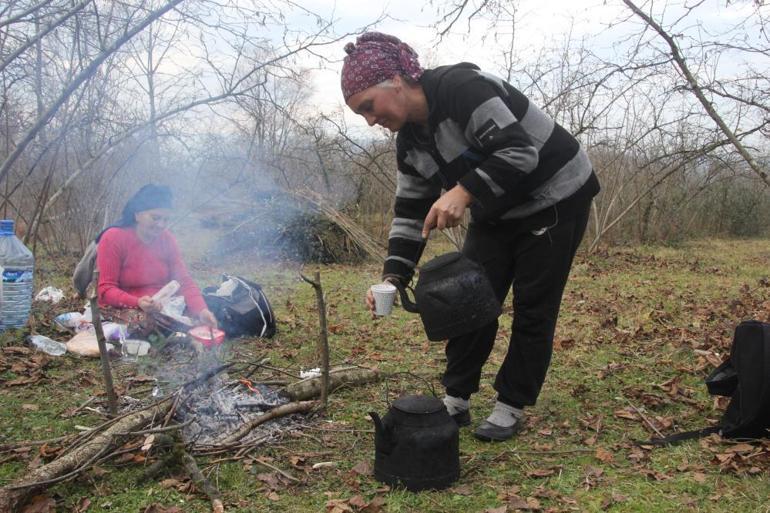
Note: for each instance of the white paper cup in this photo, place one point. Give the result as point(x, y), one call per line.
point(136, 347)
point(384, 295)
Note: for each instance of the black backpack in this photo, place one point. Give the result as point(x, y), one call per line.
point(241, 308)
point(745, 378)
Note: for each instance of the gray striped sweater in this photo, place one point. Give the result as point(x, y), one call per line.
point(486, 135)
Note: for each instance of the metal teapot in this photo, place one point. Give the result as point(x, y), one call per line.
point(453, 296)
point(416, 444)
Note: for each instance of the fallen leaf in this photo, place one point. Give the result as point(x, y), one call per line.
point(516, 502)
point(626, 413)
point(740, 448)
point(148, 441)
point(40, 504)
point(375, 506)
point(82, 505)
point(30, 407)
point(501, 509)
point(271, 479)
point(170, 483)
point(357, 501)
point(338, 506)
point(362, 468)
point(541, 472)
point(463, 489)
point(603, 454)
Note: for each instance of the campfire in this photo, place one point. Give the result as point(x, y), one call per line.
point(198, 406)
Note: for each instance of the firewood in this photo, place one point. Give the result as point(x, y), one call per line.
point(280, 411)
point(13, 496)
point(311, 387)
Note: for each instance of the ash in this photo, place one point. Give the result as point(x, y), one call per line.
point(220, 405)
point(221, 409)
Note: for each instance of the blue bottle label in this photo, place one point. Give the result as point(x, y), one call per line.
point(16, 276)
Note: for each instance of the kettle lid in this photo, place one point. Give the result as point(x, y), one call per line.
point(419, 404)
point(441, 260)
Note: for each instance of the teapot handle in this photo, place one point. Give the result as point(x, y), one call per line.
point(408, 304)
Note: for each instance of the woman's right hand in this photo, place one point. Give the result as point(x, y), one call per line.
point(370, 302)
point(148, 305)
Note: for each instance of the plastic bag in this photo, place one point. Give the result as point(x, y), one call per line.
point(50, 294)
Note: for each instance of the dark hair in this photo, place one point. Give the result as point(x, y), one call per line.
point(147, 198)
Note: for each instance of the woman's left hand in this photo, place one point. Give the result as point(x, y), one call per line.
point(447, 211)
point(207, 318)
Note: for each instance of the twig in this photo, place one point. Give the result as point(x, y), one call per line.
point(112, 399)
point(76, 410)
point(645, 419)
point(282, 472)
point(280, 411)
point(205, 376)
point(323, 336)
point(282, 371)
point(174, 427)
point(204, 484)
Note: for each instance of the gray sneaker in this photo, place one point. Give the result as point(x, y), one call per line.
point(488, 432)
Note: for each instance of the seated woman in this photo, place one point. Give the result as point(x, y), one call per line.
point(136, 257)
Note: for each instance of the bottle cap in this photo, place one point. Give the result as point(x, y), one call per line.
point(6, 227)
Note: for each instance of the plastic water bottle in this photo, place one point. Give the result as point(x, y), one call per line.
point(47, 345)
point(17, 264)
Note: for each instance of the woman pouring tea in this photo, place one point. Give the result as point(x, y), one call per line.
point(528, 185)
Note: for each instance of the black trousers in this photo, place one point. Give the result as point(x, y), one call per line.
point(536, 265)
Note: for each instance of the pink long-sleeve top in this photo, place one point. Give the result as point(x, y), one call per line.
point(130, 269)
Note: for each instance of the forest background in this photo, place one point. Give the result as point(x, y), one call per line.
point(236, 105)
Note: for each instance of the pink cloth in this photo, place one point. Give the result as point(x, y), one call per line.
point(374, 58)
point(130, 269)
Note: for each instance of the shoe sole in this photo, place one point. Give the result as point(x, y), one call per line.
point(488, 438)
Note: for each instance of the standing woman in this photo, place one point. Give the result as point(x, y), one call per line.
point(136, 257)
point(529, 187)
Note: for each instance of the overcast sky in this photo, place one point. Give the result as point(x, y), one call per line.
point(413, 22)
point(539, 24)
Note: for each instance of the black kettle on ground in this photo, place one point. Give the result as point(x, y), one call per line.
point(453, 297)
point(416, 444)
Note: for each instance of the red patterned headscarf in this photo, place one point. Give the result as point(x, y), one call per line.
point(374, 58)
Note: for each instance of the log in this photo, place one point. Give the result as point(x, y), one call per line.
point(14, 495)
point(280, 411)
point(310, 388)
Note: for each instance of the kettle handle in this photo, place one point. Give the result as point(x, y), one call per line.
point(408, 304)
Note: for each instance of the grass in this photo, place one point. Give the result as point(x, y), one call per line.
point(639, 329)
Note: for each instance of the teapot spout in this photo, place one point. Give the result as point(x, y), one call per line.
point(382, 434)
point(379, 428)
point(408, 304)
